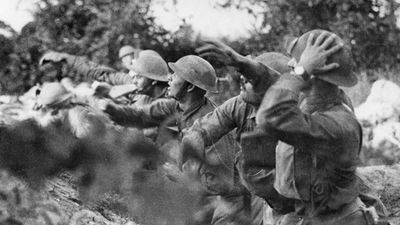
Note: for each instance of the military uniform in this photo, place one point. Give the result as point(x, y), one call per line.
point(239, 115)
point(106, 74)
point(318, 154)
point(162, 110)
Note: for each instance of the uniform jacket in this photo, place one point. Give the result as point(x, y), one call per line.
point(319, 144)
point(236, 114)
point(167, 112)
point(97, 72)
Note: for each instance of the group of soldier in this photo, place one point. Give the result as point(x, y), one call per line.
point(288, 144)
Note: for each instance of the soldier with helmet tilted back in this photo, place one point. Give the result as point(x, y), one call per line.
point(319, 136)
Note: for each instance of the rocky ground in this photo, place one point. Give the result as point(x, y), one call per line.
point(57, 202)
point(54, 203)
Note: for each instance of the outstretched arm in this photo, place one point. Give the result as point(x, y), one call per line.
point(87, 68)
point(149, 115)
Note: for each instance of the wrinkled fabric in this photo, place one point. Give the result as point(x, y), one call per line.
point(144, 116)
point(234, 114)
point(98, 72)
point(235, 210)
point(353, 213)
point(166, 112)
point(321, 146)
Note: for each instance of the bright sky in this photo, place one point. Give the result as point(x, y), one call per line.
point(204, 17)
point(200, 13)
point(16, 12)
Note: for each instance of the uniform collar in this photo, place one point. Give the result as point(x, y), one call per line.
point(193, 108)
point(253, 111)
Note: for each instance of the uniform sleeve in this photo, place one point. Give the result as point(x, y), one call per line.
point(142, 116)
point(97, 72)
point(280, 112)
point(217, 123)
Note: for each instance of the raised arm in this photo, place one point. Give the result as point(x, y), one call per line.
point(255, 72)
point(280, 107)
point(87, 68)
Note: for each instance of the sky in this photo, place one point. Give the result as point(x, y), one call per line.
point(16, 12)
point(201, 14)
point(205, 17)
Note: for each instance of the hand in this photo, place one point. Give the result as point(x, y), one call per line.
point(192, 146)
point(101, 89)
point(53, 57)
point(314, 56)
point(220, 51)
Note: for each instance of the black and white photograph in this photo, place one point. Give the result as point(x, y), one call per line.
point(199, 112)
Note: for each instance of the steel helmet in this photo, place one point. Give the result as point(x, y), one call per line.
point(126, 50)
point(196, 71)
point(52, 93)
point(341, 76)
point(150, 66)
point(275, 61)
point(149, 52)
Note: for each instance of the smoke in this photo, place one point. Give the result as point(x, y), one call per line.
point(120, 161)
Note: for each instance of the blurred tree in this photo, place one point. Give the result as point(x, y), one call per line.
point(368, 25)
point(98, 28)
point(92, 28)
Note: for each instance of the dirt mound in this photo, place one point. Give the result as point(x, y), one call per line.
point(54, 204)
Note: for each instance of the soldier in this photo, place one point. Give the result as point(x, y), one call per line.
point(126, 54)
point(320, 138)
point(239, 113)
point(192, 78)
point(57, 106)
point(148, 74)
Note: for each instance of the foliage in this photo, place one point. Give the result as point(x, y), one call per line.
point(92, 28)
point(98, 28)
point(369, 25)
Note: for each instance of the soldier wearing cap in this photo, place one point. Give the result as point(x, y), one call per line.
point(239, 113)
point(319, 136)
point(148, 74)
